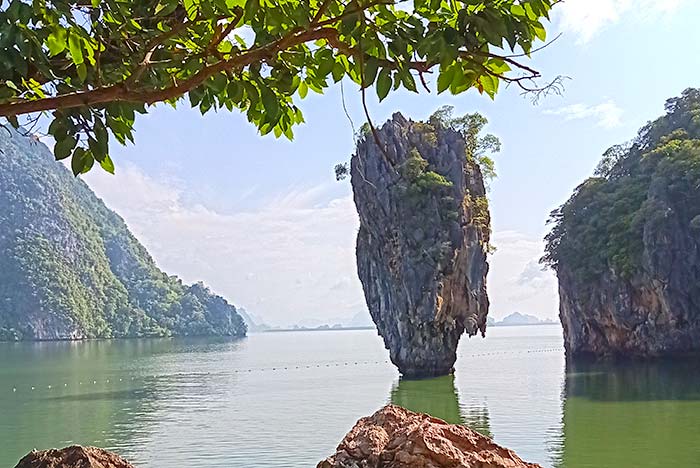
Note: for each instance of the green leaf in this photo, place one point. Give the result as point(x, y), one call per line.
point(338, 72)
point(384, 82)
point(107, 164)
point(445, 79)
point(371, 67)
point(56, 41)
point(191, 8)
point(303, 89)
point(81, 69)
point(326, 61)
point(75, 46)
point(408, 81)
point(234, 91)
point(270, 103)
point(82, 161)
point(490, 85)
point(63, 148)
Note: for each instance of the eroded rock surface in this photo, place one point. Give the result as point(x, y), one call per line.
point(626, 245)
point(73, 457)
point(395, 437)
point(421, 247)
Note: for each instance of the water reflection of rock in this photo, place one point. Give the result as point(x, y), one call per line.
point(634, 381)
point(631, 415)
point(438, 397)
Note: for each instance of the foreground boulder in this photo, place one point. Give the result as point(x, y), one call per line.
point(395, 437)
point(626, 245)
point(74, 456)
point(422, 242)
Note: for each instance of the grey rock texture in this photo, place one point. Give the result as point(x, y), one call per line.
point(421, 247)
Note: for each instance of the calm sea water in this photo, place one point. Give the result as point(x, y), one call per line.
point(286, 399)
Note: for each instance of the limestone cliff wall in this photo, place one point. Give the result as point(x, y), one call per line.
point(626, 245)
point(655, 312)
point(421, 247)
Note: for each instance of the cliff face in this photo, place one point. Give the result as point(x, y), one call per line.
point(653, 312)
point(626, 246)
point(70, 268)
point(421, 247)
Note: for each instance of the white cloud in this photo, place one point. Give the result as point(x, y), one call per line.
point(607, 113)
point(294, 259)
point(517, 282)
point(587, 18)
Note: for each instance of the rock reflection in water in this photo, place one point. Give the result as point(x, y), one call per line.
point(438, 397)
point(629, 415)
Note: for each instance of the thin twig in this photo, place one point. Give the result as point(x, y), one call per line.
point(320, 12)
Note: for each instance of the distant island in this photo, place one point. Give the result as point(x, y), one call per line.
point(516, 319)
point(361, 322)
point(336, 327)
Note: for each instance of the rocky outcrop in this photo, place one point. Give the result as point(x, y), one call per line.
point(421, 247)
point(394, 437)
point(73, 457)
point(626, 246)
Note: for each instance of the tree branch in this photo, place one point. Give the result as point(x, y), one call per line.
point(320, 12)
point(120, 92)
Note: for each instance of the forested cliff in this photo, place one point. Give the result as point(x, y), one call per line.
point(70, 268)
point(626, 245)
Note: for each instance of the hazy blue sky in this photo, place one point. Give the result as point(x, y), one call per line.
point(263, 222)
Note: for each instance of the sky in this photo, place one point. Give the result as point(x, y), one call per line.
point(263, 222)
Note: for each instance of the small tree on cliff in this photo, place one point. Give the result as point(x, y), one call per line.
point(478, 148)
point(91, 66)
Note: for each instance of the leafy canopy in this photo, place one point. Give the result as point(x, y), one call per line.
point(642, 187)
point(478, 148)
point(90, 67)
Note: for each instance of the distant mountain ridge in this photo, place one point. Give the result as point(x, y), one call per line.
point(70, 268)
point(518, 319)
point(254, 323)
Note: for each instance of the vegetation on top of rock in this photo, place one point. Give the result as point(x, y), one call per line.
point(478, 148)
point(70, 268)
point(601, 228)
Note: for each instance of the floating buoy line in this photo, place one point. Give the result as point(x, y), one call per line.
point(90, 382)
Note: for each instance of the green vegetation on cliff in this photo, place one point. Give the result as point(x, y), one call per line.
point(636, 187)
point(70, 268)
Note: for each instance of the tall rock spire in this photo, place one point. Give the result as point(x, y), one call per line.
point(422, 243)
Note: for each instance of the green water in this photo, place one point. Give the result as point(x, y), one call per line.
point(286, 399)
